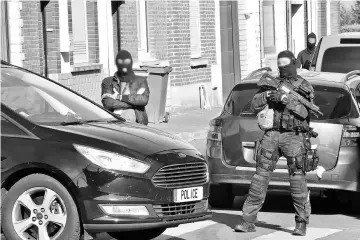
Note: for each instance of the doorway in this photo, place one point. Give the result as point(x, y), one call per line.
point(230, 54)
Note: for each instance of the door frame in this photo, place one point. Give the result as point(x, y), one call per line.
point(235, 47)
point(236, 40)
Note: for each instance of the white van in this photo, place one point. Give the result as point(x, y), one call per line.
point(338, 53)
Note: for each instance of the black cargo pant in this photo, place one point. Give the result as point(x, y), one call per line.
point(292, 147)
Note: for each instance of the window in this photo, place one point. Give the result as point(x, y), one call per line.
point(334, 102)
point(341, 59)
point(195, 30)
point(8, 128)
point(4, 33)
point(269, 26)
point(143, 29)
point(79, 31)
point(45, 102)
point(239, 101)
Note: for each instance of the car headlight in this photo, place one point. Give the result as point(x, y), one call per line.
point(112, 161)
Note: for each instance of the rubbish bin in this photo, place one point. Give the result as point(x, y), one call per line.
point(158, 84)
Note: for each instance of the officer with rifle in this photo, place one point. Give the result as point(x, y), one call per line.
point(283, 106)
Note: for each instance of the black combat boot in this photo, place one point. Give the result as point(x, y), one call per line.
point(300, 229)
point(243, 226)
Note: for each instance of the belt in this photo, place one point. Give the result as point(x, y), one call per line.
point(281, 130)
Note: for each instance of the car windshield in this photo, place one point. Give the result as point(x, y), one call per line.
point(334, 102)
point(45, 102)
point(341, 59)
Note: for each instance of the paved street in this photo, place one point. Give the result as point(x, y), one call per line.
point(275, 222)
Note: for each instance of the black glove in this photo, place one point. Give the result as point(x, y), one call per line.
point(278, 96)
point(307, 64)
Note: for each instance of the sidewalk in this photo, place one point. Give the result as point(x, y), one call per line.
point(190, 125)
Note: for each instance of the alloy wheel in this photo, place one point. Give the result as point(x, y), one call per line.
point(39, 214)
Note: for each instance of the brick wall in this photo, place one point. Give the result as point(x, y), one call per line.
point(335, 16)
point(115, 32)
point(128, 18)
point(32, 34)
point(207, 22)
point(70, 30)
point(87, 83)
point(178, 30)
point(321, 19)
point(243, 38)
point(53, 37)
point(92, 30)
point(157, 32)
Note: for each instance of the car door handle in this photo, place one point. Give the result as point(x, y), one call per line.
point(3, 158)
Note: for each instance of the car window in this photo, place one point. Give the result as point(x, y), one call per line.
point(239, 101)
point(8, 128)
point(334, 102)
point(341, 59)
point(43, 101)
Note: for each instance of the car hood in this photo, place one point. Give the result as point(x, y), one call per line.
point(140, 138)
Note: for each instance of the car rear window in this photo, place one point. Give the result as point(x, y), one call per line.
point(341, 59)
point(334, 102)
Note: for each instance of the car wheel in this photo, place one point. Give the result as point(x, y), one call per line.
point(138, 235)
point(221, 196)
point(39, 207)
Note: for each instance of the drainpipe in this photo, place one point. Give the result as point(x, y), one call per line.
point(306, 26)
point(262, 52)
point(288, 25)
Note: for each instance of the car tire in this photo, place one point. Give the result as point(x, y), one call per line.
point(355, 203)
point(221, 196)
point(58, 206)
point(138, 235)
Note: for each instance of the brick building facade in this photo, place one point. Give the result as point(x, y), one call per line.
point(206, 42)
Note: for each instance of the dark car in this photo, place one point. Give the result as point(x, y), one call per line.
point(67, 164)
point(231, 139)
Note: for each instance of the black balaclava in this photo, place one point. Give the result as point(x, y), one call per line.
point(125, 71)
point(311, 46)
point(289, 70)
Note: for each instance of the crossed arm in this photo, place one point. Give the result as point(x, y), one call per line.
point(112, 100)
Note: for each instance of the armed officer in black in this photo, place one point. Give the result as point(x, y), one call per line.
point(286, 138)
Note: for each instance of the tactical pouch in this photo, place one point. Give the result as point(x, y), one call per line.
point(266, 118)
point(268, 161)
point(257, 150)
point(311, 157)
point(285, 121)
point(312, 160)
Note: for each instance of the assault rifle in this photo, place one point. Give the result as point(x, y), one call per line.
point(271, 82)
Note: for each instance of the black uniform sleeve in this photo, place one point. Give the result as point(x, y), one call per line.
point(259, 101)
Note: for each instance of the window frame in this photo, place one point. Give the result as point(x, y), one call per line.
point(143, 28)
point(271, 4)
point(84, 16)
point(27, 133)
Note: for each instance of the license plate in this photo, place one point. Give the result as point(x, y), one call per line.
point(188, 194)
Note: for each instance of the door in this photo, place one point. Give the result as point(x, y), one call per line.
point(230, 54)
point(4, 33)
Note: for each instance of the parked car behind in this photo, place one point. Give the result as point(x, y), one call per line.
point(337, 53)
point(67, 164)
point(230, 141)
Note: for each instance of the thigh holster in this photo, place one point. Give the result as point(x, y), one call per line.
point(311, 158)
